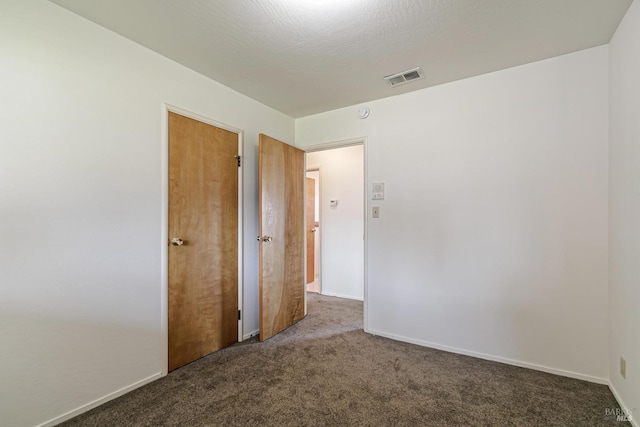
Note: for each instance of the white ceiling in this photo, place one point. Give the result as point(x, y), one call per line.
point(308, 56)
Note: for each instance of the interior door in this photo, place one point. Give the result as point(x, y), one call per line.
point(282, 232)
point(203, 233)
point(311, 229)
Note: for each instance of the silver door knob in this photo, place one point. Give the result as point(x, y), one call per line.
point(177, 241)
point(264, 238)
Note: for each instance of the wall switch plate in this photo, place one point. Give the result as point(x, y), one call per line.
point(375, 212)
point(333, 203)
point(623, 367)
point(377, 191)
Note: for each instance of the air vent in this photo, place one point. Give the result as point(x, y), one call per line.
point(405, 77)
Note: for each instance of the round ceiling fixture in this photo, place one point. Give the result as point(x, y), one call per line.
point(363, 112)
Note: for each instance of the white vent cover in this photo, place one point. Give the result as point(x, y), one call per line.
point(405, 76)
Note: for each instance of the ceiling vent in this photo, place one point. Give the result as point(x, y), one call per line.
point(405, 77)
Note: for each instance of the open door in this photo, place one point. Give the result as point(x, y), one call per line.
point(282, 231)
point(311, 229)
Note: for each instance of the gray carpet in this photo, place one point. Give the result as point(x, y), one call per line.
point(325, 371)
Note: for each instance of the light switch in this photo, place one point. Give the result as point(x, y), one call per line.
point(375, 212)
point(333, 203)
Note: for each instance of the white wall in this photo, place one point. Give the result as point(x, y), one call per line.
point(624, 206)
point(341, 227)
point(80, 205)
point(492, 239)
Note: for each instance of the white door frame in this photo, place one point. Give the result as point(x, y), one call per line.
point(331, 146)
point(164, 230)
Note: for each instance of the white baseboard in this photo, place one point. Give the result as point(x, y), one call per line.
point(251, 334)
point(330, 294)
point(484, 356)
point(634, 419)
point(84, 408)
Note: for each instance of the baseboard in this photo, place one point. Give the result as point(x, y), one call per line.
point(484, 356)
point(331, 294)
point(251, 334)
point(633, 420)
point(84, 408)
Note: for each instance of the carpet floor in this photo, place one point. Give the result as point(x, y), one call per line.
point(326, 371)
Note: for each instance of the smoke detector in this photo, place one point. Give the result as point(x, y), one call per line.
point(405, 77)
point(363, 112)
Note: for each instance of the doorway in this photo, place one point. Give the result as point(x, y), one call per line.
point(313, 231)
point(340, 222)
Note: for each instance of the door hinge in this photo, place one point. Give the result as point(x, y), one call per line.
point(239, 315)
point(237, 156)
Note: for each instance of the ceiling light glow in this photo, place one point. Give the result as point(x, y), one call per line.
point(325, 5)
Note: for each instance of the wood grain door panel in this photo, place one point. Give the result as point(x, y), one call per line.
point(203, 211)
point(282, 204)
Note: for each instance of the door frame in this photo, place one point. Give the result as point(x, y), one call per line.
point(164, 226)
point(331, 146)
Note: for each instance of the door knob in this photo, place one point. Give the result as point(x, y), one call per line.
point(177, 241)
point(264, 238)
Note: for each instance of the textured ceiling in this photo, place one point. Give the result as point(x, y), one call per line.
point(308, 56)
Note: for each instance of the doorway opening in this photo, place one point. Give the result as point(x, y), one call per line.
point(336, 220)
point(313, 231)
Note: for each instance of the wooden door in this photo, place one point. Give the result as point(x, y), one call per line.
point(311, 229)
point(282, 229)
point(203, 265)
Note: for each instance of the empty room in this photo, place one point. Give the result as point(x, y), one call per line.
point(156, 233)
